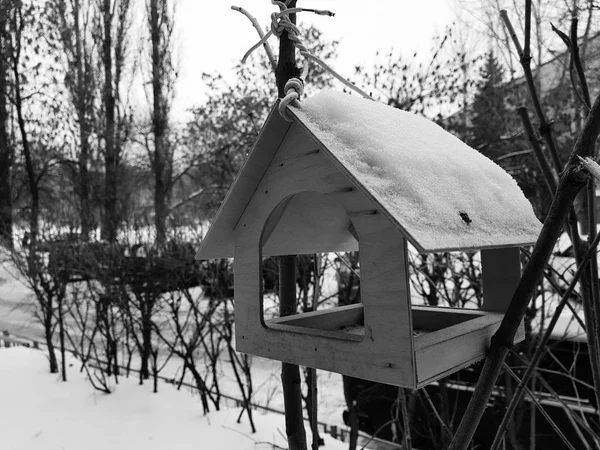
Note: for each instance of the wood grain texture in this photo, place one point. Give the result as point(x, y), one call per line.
point(387, 351)
point(327, 319)
point(451, 349)
point(385, 354)
point(433, 318)
point(310, 223)
point(218, 242)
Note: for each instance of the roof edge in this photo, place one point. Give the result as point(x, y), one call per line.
point(218, 241)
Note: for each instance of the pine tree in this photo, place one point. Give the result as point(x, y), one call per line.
point(489, 110)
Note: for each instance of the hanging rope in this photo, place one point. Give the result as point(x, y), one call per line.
point(292, 90)
point(280, 22)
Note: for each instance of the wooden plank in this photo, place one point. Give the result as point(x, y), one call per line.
point(327, 319)
point(364, 191)
point(448, 350)
point(329, 334)
point(442, 335)
point(311, 223)
point(385, 354)
point(274, 220)
point(501, 273)
point(433, 318)
point(314, 133)
point(218, 242)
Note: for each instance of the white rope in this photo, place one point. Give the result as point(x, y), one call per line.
point(280, 22)
point(293, 90)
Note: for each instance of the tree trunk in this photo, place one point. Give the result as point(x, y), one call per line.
point(351, 397)
point(200, 385)
point(5, 146)
point(61, 330)
point(48, 315)
point(29, 169)
point(146, 341)
point(159, 117)
point(82, 91)
point(109, 226)
point(290, 373)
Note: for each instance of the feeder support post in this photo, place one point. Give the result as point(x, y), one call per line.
point(290, 373)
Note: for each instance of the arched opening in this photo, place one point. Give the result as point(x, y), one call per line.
point(317, 230)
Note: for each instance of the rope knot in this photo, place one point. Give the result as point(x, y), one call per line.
point(293, 90)
point(280, 22)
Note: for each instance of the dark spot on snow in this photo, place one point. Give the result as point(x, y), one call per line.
point(465, 217)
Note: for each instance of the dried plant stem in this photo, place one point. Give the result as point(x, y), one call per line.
point(549, 176)
point(592, 331)
point(541, 348)
point(575, 420)
point(525, 57)
point(261, 33)
point(540, 408)
point(590, 290)
point(576, 60)
point(406, 436)
point(573, 178)
point(447, 430)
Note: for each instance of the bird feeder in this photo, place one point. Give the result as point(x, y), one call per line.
point(351, 174)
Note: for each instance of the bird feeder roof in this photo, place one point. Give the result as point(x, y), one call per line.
point(442, 194)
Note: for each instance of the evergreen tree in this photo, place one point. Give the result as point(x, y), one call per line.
point(489, 115)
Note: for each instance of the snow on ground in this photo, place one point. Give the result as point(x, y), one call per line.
point(17, 302)
point(16, 316)
point(41, 412)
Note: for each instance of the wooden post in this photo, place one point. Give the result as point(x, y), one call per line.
point(290, 373)
point(6, 334)
point(334, 431)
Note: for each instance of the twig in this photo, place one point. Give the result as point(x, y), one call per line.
point(575, 420)
point(555, 286)
point(578, 65)
point(261, 33)
point(535, 359)
point(549, 176)
point(437, 414)
point(525, 57)
point(540, 408)
point(374, 435)
point(572, 180)
point(407, 439)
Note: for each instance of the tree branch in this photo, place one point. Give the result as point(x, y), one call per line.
point(572, 180)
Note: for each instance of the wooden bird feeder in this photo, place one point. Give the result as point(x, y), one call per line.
point(349, 173)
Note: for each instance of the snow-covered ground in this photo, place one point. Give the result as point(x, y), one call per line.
point(38, 411)
point(16, 316)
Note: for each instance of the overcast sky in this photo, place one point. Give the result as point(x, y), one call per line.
point(211, 37)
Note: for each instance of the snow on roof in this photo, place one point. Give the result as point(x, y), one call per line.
point(443, 194)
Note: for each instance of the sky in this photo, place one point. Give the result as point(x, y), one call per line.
point(211, 37)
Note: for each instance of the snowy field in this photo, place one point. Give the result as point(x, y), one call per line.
point(17, 305)
point(41, 412)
